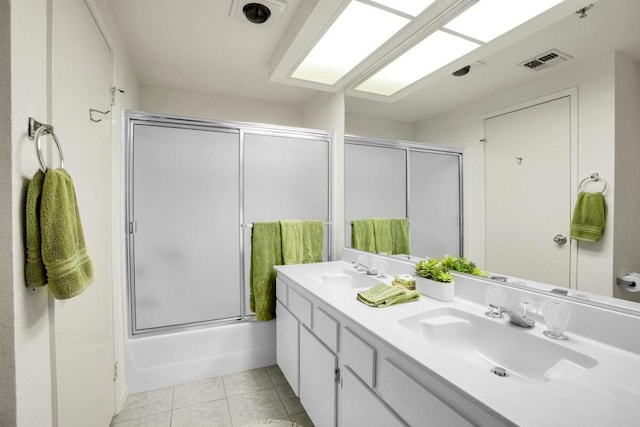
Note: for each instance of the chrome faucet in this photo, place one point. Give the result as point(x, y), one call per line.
point(371, 271)
point(520, 319)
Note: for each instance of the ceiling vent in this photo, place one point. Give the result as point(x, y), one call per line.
point(239, 9)
point(546, 60)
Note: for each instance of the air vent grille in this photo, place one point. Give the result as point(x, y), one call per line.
point(545, 60)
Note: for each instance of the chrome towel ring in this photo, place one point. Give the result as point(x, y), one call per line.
point(35, 131)
point(594, 177)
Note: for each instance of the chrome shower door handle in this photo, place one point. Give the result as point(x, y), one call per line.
point(560, 239)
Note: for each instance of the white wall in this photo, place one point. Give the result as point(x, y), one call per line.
point(7, 344)
point(360, 125)
point(626, 255)
point(325, 111)
point(218, 107)
point(461, 127)
point(29, 326)
point(26, 397)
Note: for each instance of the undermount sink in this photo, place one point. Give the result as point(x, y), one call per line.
point(346, 279)
point(491, 343)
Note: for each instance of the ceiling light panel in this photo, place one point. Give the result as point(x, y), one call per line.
point(487, 19)
point(354, 35)
point(410, 7)
point(432, 53)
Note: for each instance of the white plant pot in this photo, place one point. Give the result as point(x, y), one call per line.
point(436, 290)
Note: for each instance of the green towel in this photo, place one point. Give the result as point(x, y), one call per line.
point(312, 240)
point(383, 295)
point(34, 271)
point(292, 242)
point(400, 236)
point(362, 235)
point(302, 241)
point(383, 235)
point(589, 217)
point(266, 251)
point(69, 269)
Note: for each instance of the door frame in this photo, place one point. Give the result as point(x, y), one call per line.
point(572, 94)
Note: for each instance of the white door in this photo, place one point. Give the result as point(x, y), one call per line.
point(83, 325)
point(528, 192)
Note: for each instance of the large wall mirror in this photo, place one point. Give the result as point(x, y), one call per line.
point(419, 182)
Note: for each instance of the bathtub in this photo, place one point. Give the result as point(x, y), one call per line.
point(156, 361)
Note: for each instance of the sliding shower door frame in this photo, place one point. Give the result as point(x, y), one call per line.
point(135, 118)
point(409, 147)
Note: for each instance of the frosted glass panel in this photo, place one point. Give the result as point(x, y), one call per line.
point(285, 178)
point(185, 186)
point(434, 204)
point(375, 183)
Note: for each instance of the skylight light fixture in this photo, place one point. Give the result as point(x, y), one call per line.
point(354, 35)
point(432, 53)
point(410, 7)
point(488, 19)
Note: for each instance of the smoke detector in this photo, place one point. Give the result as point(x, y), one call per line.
point(263, 13)
point(546, 60)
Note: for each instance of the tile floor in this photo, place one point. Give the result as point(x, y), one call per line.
point(226, 401)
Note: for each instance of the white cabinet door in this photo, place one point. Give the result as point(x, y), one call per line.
point(317, 380)
point(360, 407)
point(287, 345)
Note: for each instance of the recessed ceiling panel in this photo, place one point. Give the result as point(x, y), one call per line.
point(432, 53)
point(356, 33)
point(487, 19)
point(410, 7)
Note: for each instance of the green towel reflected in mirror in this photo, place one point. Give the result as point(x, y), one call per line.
point(381, 235)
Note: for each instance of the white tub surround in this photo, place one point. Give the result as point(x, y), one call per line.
point(600, 388)
point(167, 359)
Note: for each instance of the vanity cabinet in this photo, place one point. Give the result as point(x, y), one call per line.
point(361, 407)
point(318, 388)
point(287, 345)
point(347, 376)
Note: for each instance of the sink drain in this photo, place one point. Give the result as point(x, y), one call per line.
point(499, 371)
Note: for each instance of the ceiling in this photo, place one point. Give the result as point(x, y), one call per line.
point(195, 45)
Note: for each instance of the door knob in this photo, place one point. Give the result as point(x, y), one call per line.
point(560, 239)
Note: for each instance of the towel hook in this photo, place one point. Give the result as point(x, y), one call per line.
point(594, 177)
point(37, 130)
point(93, 110)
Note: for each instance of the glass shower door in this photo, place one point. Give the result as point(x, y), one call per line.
point(185, 194)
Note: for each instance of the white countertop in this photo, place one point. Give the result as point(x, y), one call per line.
point(605, 395)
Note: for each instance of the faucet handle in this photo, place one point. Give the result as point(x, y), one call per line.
point(495, 311)
point(525, 308)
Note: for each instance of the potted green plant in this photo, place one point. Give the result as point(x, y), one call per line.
point(462, 265)
point(434, 280)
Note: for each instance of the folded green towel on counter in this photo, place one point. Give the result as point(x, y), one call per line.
point(589, 215)
point(383, 295)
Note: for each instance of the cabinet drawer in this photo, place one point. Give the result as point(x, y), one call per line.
point(300, 307)
point(359, 356)
point(415, 403)
point(282, 292)
point(326, 328)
